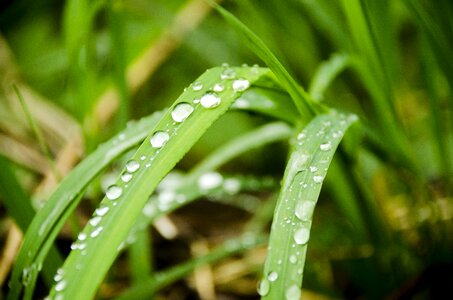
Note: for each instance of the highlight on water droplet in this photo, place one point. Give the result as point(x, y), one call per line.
point(101, 211)
point(240, 85)
point(272, 276)
point(318, 178)
point(113, 192)
point(228, 74)
point(60, 285)
point(132, 166)
point(293, 293)
point(126, 177)
point(181, 112)
point(210, 181)
point(313, 169)
point(263, 287)
point(326, 146)
point(304, 210)
point(159, 139)
point(82, 236)
point(197, 86)
point(210, 100)
point(96, 232)
point(302, 235)
point(218, 87)
point(95, 221)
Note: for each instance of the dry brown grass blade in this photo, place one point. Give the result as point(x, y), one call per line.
point(12, 244)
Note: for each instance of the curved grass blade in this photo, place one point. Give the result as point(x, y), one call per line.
point(300, 97)
point(290, 232)
point(191, 115)
point(151, 285)
point(50, 219)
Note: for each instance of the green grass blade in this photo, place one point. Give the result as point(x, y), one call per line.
point(290, 232)
point(48, 221)
point(162, 279)
point(171, 138)
point(300, 97)
point(325, 74)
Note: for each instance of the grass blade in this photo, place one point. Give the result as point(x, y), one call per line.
point(48, 221)
point(171, 138)
point(306, 169)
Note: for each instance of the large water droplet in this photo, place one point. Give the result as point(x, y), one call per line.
point(326, 146)
point(60, 285)
point(293, 293)
point(263, 287)
point(210, 181)
point(159, 139)
point(241, 85)
point(181, 112)
point(197, 86)
point(101, 211)
point(302, 235)
point(272, 276)
point(126, 177)
point(113, 192)
point(304, 210)
point(218, 87)
point(132, 166)
point(210, 100)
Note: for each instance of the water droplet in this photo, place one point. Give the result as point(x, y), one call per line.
point(210, 100)
point(181, 112)
point(293, 259)
point(241, 85)
point(82, 236)
point(210, 181)
point(113, 192)
point(293, 293)
point(96, 232)
point(143, 157)
point(149, 210)
point(60, 285)
point(272, 276)
point(126, 177)
point(302, 235)
point(301, 135)
point(95, 221)
point(218, 87)
point(159, 139)
point(313, 169)
point(101, 211)
point(304, 210)
point(263, 287)
point(27, 275)
point(318, 178)
point(228, 74)
point(132, 166)
point(197, 86)
point(232, 186)
point(326, 146)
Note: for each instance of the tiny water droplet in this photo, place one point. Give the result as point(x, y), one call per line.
point(197, 86)
point(318, 178)
point(113, 192)
point(210, 181)
point(272, 276)
point(143, 157)
point(313, 169)
point(304, 210)
point(240, 85)
point(126, 177)
point(293, 293)
point(228, 74)
point(263, 287)
point(132, 166)
point(181, 112)
point(232, 186)
point(96, 232)
point(95, 221)
point(82, 236)
point(101, 211)
point(159, 139)
point(293, 259)
point(218, 87)
point(60, 285)
point(326, 146)
point(210, 100)
point(302, 235)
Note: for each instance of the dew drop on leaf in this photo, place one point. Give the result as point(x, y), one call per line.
point(181, 112)
point(304, 210)
point(263, 287)
point(132, 166)
point(101, 211)
point(326, 146)
point(210, 100)
point(210, 181)
point(113, 192)
point(95, 221)
point(272, 276)
point(241, 85)
point(318, 178)
point(126, 177)
point(197, 86)
point(301, 236)
point(293, 293)
point(82, 236)
point(96, 232)
point(60, 286)
point(159, 139)
point(218, 87)
point(228, 74)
